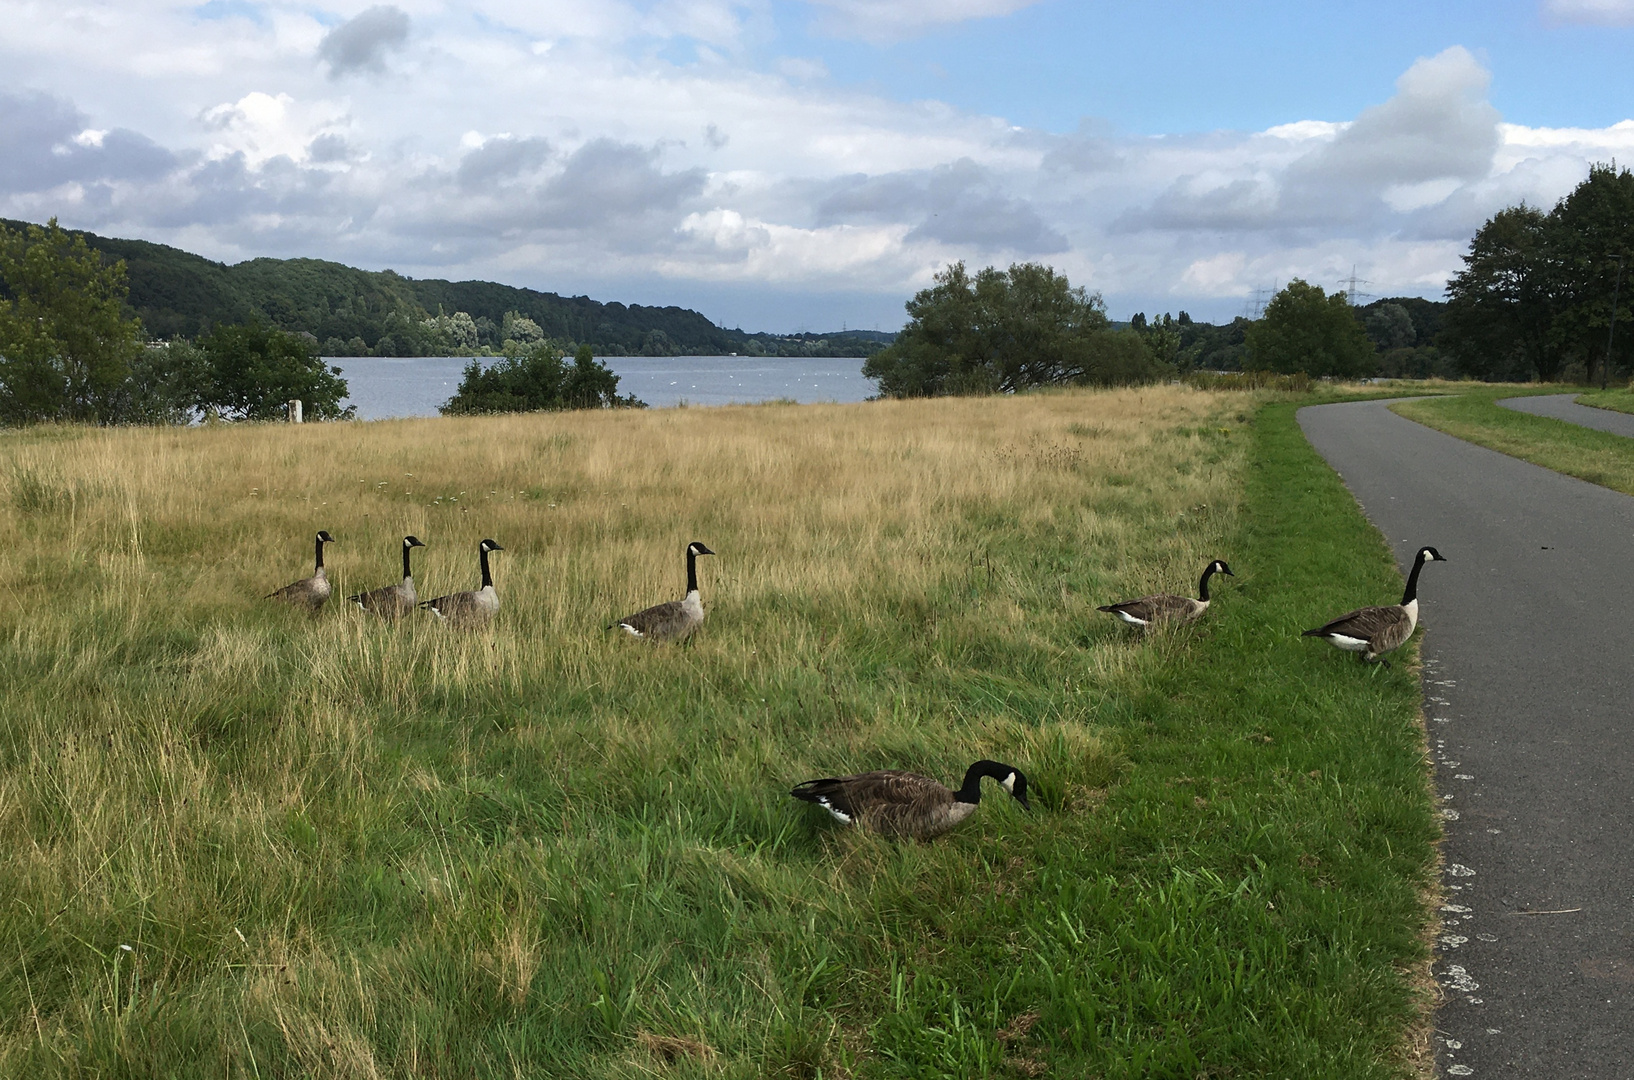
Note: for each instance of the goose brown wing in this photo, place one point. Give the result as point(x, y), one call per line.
point(1383, 628)
point(1154, 608)
point(888, 799)
point(308, 592)
point(386, 600)
point(656, 621)
point(458, 607)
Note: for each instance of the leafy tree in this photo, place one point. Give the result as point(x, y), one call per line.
point(66, 345)
point(1306, 330)
point(251, 371)
point(1501, 306)
point(1006, 330)
point(1592, 228)
point(1390, 327)
point(535, 379)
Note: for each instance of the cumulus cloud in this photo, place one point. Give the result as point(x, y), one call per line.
point(596, 163)
point(1593, 12)
point(360, 44)
point(892, 20)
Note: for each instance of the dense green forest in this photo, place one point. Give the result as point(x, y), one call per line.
point(360, 313)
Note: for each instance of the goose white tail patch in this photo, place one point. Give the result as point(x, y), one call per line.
point(437, 613)
point(839, 815)
point(632, 631)
point(1348, 643)
point(1130, 619)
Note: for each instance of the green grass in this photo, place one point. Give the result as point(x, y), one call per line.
point(1474, 416)
point(581, 860)
point(1618, 399)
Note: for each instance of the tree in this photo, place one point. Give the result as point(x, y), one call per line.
point(1006, 330)
point(1390, 327)
point(1306, 330)
point(1501, 306)
point(251, 371)
point(66, 345)
point(1592, 228)
point(535, 379)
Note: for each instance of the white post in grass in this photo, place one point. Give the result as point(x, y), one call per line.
point(295, 411)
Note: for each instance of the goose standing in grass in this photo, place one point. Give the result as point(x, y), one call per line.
point(676, 619)
point(1167, 607)
point(1373, 631)
point(392, 601)
point(475, 607)
point(309, 592)
point(906, 804)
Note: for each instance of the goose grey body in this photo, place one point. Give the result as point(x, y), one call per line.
point(474, 607)
point(1373, 631)
point(392, 601)
point(1167, 607)
point(906, 804)
point(309, 592)
point(676, 619)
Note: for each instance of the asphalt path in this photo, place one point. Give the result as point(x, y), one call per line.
point(1565, 407)
point(1528, 677)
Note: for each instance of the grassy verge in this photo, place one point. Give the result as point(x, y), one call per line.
point(340, 849)
point(1474, 416)
point(1618, 399)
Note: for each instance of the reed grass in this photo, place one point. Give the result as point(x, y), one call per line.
point(242, 841)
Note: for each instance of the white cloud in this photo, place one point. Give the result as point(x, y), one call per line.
point(892, 20)
point(1593, 12)
point(547, 143)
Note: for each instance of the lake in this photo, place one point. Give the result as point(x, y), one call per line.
point(383, 387)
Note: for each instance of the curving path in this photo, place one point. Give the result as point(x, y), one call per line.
point(1565, 407)
point(1529, 686)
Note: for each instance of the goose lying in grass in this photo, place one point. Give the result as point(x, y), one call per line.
point(1373, 631)
point(309, 592)
point(392, 601)
point(474, 607)
point(676, 619)
point(1167, 607)
point(906, 804)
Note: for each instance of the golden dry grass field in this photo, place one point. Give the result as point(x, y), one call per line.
point(242, 841)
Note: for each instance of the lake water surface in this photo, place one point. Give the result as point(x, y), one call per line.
point(384, 387)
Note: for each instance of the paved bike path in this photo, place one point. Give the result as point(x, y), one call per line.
point(1565, 407)
point(1529, 683)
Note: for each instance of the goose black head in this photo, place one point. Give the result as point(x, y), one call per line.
point(696, 548)
point(489, 545)
point(1430, 554)
point(1016, 785)
point(412, 541)
point(324, 537)
point(1221, 568)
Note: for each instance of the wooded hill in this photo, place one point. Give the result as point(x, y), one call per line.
point(359, 312)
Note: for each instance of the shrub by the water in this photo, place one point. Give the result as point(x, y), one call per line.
point(537, 379)
point(1007, 330)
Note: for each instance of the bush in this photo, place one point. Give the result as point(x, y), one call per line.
point(1307, 330)
point(251, 372)
point(1003, 331)
point(535, 379)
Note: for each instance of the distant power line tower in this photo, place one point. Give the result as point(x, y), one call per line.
point(1256, 304)
point(1349, 286)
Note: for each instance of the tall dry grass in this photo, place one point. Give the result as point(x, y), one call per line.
point(346, 848)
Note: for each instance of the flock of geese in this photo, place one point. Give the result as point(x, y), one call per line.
point(887, 801)
point(474, 608)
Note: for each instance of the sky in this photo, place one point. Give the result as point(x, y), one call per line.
point(790, 165)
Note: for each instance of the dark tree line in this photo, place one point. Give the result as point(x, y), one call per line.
point(1535, 296)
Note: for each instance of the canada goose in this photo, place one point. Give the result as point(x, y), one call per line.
point(676, 619)
point(475, 607)
point(392, 601)
point(1373, 631)
point(1166, 607)
point(309, 592)
point(906, 804)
